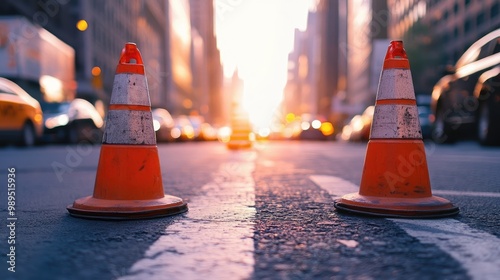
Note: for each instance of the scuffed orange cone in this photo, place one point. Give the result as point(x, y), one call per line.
point(395, 181)
point(128, 182)
point(240, 130)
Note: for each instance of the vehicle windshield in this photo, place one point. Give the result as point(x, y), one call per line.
point(31, 87)
point(4, 89)
point(54, 108)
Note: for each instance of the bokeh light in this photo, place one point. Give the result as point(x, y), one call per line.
point(82, 25)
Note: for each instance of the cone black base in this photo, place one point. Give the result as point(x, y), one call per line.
point(127, 215)
point(391, 213)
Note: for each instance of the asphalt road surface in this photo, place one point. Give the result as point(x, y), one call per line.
point(262, 213)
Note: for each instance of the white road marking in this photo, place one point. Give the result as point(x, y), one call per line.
point(476, 250)
point(490, 158)
point(337, 187)
point(214, 240)
point(464, 193)
point(348, 243)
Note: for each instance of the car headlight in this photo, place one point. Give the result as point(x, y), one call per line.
point(156, 125)
point(56, 121)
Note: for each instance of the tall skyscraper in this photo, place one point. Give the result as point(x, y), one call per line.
point(339, 36)
point(207, 71)
point(176, 39)
point(437, 33)
point(98, 30)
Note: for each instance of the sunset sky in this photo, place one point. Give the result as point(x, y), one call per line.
point(256, 36)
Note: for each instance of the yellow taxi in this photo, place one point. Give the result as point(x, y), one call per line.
point(21, 119)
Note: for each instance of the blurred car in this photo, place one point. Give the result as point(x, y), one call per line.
point(163, 123)
point(21, 116)
point(425, 118)
point(424, 115)
point(202, 130)
point(183, 129)
point(224, 134)
point(315, 128)
point(72, 122)
point(359, 127)
point(196, 122)
point(466, 101)
point(290, 130)
point(208, 132)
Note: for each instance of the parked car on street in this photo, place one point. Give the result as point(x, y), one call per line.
point(72, 122)
point(183, 129)
point(163, 124)
point(315, 128)
point(424, 115)
point(358, 129)
point(196, 122)
point(466, 101)
point(21, 116)
point(208, 132)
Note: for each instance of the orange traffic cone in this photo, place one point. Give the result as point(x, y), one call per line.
point(395, 181)
point(240, 130)
point(128, 182)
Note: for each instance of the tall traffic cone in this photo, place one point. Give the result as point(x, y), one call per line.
point(240, 129)
point(395, 181)
point(128, 182)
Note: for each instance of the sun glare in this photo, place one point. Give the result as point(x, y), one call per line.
point(256, 37)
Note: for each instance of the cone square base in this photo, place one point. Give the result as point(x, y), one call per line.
point(105, 209)
point(428, 207)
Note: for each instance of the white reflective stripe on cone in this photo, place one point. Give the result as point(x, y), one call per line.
point(129, 127)
point(130, 89)
point(395, 84)
point(396, 121)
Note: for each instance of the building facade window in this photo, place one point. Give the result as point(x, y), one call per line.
point(494, 10)
point(480, 19)
point(468, 25)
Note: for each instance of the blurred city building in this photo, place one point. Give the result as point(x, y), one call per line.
point(301, 92)
point(235, 90)
point(183, 70)
point(181, 86)
point(231, 97)
point(335, 65)
point(333, 69)
point(436, 33)
point(207, 67)
point(110, 25)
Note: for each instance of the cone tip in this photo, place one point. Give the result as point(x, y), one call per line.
point(396, 56)
point(131, 44)
point(130, 60)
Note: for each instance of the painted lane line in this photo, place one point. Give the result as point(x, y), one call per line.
point(482, 159)
point(465, 193)
point(477, 251)
point(337, 187)
point(214, 240)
